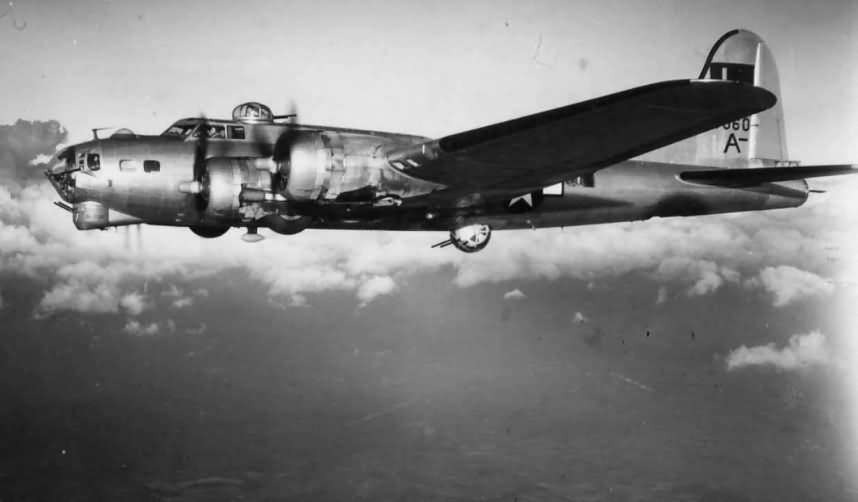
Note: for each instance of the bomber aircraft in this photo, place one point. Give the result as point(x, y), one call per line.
point(714, 144)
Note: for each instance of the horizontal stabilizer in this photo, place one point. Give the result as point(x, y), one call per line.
point(738, 178)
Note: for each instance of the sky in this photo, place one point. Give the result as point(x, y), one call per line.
point(429, 68)
point(502, 364)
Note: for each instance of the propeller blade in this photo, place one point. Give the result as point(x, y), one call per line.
point(202, 149)
point(200, 193)
point(293, 110)
point(283, 145)
point(283, 149)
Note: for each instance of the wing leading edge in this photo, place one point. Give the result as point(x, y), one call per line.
point(544, 148)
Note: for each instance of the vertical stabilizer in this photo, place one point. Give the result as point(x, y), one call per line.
point(754, 141)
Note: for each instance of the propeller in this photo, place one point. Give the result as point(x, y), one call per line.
point(283, 148)
point(200, 175)
point(292, 115)
point(281, 154)
point(198, 187)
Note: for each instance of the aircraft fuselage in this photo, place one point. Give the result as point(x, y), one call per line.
point(131, 179)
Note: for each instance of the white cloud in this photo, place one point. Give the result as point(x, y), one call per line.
point(801, 351)
point(179, 299)
point(789, 284)
point(374, 287)
point(661, 296)
point(705, 276)
point(515, 294)
point(183, 302)
point(41, 158)
point(698, 259)
point(134, 327)
point(133, 303)
point(9, 208)
point(580, 318)
point(89, 287)
point(77, 293)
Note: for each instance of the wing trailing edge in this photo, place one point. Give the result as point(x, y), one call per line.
point(741, 178)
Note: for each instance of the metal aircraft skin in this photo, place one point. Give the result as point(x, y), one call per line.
point(675, 148)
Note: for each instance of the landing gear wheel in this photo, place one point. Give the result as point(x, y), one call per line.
point(471, 238)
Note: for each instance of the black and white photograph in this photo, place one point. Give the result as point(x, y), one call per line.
point(429, 251)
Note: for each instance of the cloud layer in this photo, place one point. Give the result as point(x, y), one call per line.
point(789, 284)
point(374, 287)
point(800, 352)
point(24, 147)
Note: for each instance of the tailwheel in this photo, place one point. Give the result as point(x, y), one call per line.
point(468, 239)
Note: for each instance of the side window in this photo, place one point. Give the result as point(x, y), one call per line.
point(585, 180)
point(236, 132)
point(151, 166)
point(128, 165)
point(93, 161)
point(216, 132)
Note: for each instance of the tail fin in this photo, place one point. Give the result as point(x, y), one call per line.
point(755, 141)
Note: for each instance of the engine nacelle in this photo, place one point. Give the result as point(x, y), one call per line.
point(287, 225)
point(223, 180)
point(314, 167)
point(341, 167)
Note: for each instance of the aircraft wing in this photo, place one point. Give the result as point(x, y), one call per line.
point(548, 147)
point(739, 178)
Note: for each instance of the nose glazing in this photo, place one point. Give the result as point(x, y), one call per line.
point(61, 175)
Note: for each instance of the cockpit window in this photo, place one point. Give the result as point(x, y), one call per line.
point(216, 131)
point(211, 131)
point(93, 162)
point(180, 130)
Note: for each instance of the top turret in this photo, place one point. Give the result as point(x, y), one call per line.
point(253, 113)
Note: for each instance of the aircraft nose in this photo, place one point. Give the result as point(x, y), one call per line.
point(61, 175)
point(66, 164)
